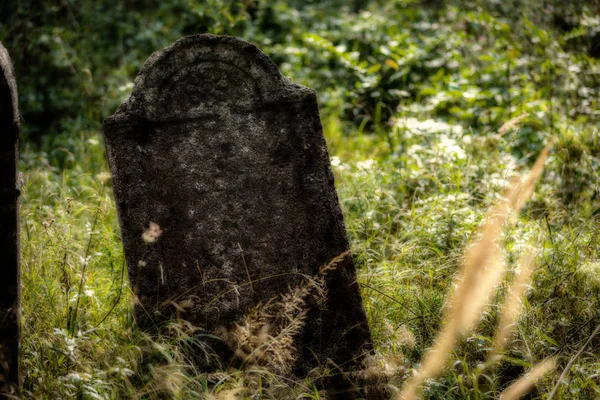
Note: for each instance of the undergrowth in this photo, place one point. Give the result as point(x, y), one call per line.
point(414, 103)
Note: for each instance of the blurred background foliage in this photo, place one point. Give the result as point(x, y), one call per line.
point(76, 59)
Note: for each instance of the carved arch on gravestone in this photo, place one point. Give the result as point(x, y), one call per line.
point(164, 92)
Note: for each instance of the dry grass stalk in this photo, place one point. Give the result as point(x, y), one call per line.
point(168, 381)
point(231, 394)
point(482, 269)
point(380, 367)
point(512, 306)
point(524, 384)
point(524, 190)
point(563, 375)
point(266, 336)
point(511, 123)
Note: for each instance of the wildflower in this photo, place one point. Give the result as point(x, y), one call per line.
point(152, 233)
point(126, 87)
point(366, 164)
point(451, 147)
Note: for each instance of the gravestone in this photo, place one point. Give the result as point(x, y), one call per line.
point(226, 197)
point(10, 378)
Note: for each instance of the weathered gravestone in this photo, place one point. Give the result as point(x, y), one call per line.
point(225, 159)
point(10, 379)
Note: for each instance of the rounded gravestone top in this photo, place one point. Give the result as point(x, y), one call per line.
point(205, 75)
point(8, 79)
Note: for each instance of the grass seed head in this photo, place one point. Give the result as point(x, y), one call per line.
point(483, 268)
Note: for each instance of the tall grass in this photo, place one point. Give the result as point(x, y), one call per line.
point(81, 340)
point(484, 267)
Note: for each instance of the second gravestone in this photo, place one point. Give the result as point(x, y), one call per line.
point(10, 377)
point(226, 198)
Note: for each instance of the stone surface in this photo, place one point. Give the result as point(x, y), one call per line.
point(10, 379)
point(221, 160)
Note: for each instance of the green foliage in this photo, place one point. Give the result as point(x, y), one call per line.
point(76, 61)
point(412, 94)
